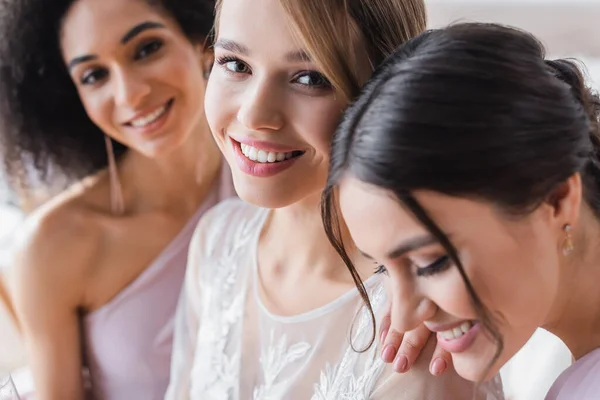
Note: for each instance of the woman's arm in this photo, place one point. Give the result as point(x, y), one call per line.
point(48, 281)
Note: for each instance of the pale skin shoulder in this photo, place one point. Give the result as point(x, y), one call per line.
point(56, 254)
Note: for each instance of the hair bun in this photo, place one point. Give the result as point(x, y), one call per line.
point(568, 72)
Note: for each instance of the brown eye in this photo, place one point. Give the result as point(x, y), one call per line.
point(313, 79)
point(148, 49)
point(93, 76)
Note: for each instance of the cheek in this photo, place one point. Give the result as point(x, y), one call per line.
point(449, 292)
point(219, 105)
point(97, 108)
point(516, 285)
point(316, 120)
point(184, 72)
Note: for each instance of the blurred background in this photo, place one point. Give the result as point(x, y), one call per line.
point(568, 28)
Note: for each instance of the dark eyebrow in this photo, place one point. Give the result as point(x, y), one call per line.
point(79, 60)
point(407, 246)
point(232, 46)
point(136, 30)
point(132, 33)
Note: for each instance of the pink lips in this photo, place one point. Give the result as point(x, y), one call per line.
point(462, 343)
point(257, 169)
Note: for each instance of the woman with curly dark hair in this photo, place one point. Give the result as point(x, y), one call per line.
point(109, 95)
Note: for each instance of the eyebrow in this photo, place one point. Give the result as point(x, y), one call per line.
point(235, 47)
point(407, 246)
point(136, 30)
point(132, 33)
point(79, 60)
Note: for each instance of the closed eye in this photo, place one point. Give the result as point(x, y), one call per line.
point(380, 269)
point(436, 267)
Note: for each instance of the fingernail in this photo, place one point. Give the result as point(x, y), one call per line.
point(438, 367)
point(388, 353)
point(401, 363)
point(383, 335)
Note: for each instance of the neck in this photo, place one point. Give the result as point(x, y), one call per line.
point(178, 180)
point(297, 230)
point(576, 314)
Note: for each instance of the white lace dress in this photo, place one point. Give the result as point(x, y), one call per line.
point(228, 346)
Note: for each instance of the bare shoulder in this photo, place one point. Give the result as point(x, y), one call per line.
point(56, 246)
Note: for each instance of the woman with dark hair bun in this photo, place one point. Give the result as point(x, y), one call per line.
point(107, 96)
point(469, 169)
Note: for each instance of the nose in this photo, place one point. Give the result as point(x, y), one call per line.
point(261, 107)
point(129, 88)
point(409, 307)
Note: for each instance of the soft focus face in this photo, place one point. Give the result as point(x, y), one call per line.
point(139, 77)
point(271, 111)
point(513, 265)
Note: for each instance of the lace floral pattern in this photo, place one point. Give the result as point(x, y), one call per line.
point(273, 360)
point(342, 382)
point(218, 360)
point(240, 351)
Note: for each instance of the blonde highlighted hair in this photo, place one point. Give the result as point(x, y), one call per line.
point(348, 39)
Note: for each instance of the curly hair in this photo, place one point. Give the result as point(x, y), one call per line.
point(43, 124)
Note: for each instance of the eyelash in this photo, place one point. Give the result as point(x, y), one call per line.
point(154, 46)
point(222, 61)
point(380, 269)
point(436, 267)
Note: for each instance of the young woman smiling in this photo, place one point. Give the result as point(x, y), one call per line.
point(269, 311)
point(108, 94)
point(469, 169)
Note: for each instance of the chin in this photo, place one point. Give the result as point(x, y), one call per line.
point(160, 147)
point(473, 370)
point(265, 196)
point(478, 366)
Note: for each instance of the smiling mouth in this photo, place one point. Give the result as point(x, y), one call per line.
point(152, 117)
point(458, 332)
point(263, 157)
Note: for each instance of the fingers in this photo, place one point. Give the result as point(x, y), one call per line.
point(440, 362)
point(385, 326)
point(390, 345)
point(413, 343)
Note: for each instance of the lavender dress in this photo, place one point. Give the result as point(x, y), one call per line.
point(128, 341)
point(581, 381)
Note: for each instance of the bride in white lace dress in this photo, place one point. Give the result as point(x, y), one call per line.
point(268, 309)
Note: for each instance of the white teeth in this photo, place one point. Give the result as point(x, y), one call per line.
point(263, 156)
point(447, 335)
point(466, 326)
point(457, 332)
point(252, 153)
point(149, 118)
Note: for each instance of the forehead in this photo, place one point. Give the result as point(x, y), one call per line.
point(375, 218)
point(91, 24)
point(261, 25)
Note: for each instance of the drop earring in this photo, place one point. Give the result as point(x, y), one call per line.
point(117, 204)
point(568, 245)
